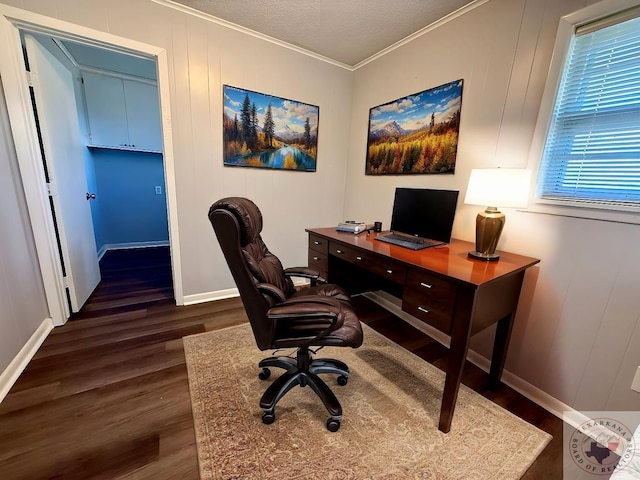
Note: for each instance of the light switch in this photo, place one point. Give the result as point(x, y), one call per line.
point(635, 385)
point(158, 190)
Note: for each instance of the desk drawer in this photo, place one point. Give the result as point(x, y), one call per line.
point(384, 268)
point(349, 254)
point(428, 310)
point(392, 271)
point(431, 286)
point(319, 261)
point(318, 244)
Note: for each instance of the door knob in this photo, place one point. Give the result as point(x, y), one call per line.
point(91, 196)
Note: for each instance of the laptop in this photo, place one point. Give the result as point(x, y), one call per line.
point(421, 218)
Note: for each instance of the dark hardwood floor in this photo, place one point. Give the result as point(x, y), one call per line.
point(107, 395)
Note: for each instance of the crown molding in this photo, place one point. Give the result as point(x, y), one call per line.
point(438, 23)
point(239, 28)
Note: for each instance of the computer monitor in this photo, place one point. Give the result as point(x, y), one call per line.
point(424, 213)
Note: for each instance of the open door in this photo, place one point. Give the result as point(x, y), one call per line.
point(62, 147)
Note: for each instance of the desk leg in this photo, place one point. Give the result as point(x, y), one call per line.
point(503, 333)
point(457, 356)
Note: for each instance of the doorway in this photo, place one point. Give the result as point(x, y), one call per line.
point(98, 120)
point(28, 149)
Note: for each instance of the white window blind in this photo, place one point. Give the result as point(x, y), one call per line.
point(592, 153)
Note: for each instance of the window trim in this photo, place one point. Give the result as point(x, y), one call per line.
point(566, 29)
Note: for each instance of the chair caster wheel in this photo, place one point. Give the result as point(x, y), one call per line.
point(333, 424)
point(264, 374)
point(342, 380)
point(268, 418)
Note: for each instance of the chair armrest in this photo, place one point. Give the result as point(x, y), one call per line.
point(272, 292)
point(305, 272)
point(316, 315)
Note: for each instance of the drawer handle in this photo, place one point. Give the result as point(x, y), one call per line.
point(316, 258)
point(316, 242)
point(425, 285)
point(339, 251)
point(358, 258)
point(422, 309)
point(389, 272)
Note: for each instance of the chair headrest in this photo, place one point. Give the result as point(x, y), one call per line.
point(246, 212)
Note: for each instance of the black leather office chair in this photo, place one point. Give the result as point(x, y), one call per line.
point(281, 316)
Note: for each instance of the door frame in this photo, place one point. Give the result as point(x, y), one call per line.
point(17, 96)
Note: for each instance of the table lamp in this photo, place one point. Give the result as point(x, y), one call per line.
point(495, 187)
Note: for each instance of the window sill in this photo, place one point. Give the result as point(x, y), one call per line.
point(632, 218)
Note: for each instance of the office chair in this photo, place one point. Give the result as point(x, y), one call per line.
point(281, 316)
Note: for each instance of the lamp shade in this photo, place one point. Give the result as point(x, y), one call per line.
point(499, 187)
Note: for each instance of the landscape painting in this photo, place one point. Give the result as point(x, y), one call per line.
point(416, 134)
point(264, 131)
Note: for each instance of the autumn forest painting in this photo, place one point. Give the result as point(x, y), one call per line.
point(416, 134)
point(264, 131)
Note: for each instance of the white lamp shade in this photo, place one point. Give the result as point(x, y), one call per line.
point(499, 187)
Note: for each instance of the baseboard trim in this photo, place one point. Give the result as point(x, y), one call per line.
point(533, 393)
point(122, 246)
point(210, 296)
point(228, 293)
point(24, 356)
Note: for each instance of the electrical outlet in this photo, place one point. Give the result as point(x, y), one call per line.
point(158, 190)
point(635, 385)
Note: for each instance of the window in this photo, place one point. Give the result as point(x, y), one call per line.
point(591, 156)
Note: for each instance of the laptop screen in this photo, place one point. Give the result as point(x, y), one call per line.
point(424, 213)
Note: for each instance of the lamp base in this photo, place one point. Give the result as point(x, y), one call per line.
point(488, 257)
point(489, 226)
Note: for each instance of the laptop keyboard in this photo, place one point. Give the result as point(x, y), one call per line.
point(413, 243)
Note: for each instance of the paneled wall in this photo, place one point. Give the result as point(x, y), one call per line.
point(577, 335)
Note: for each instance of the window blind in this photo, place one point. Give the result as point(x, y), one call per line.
point(592, 152)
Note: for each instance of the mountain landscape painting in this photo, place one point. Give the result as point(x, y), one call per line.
point(416, 134)
point(264, 131)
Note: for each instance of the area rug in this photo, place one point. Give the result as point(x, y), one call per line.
point(391, 407)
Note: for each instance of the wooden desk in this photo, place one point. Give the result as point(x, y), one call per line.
point(440, 286)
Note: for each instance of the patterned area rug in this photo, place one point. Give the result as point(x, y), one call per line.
point(391, 407)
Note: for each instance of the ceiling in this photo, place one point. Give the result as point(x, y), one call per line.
point(104, 59)
point(345, 31)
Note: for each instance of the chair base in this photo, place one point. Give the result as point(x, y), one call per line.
point(303, 371)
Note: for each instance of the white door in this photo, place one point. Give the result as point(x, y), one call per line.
point(63, 151)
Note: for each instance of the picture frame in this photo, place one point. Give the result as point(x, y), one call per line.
point(270, 132)
point(416, 134)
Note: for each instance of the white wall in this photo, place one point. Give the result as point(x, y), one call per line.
point(577, 335)
point(23, 304)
